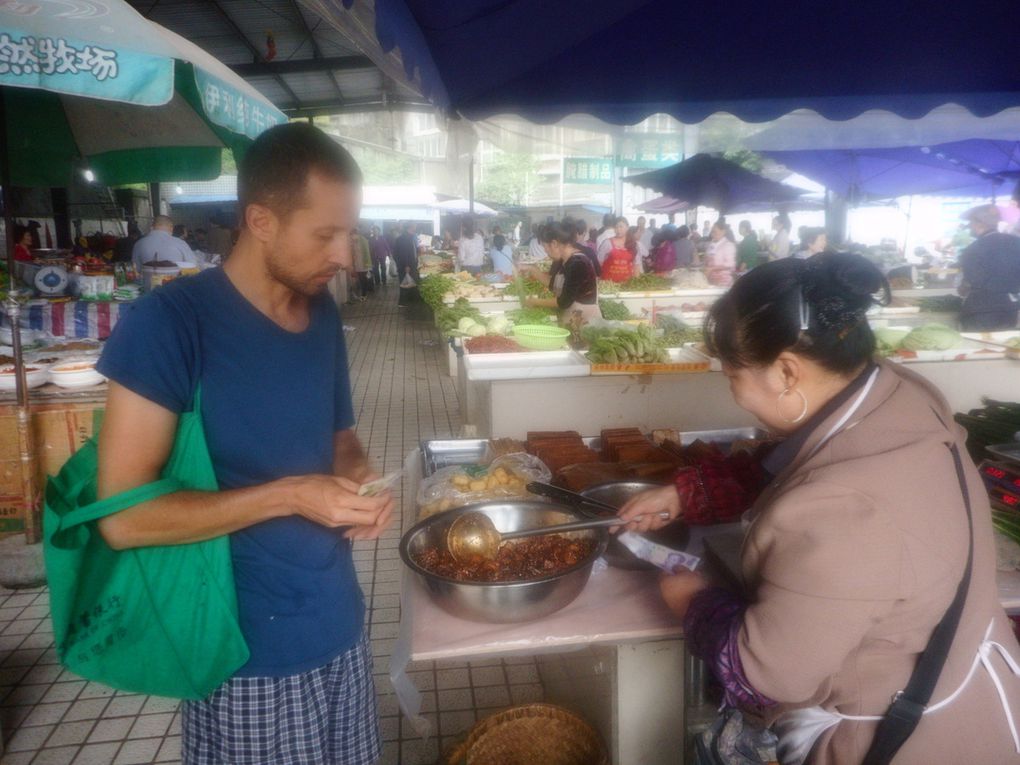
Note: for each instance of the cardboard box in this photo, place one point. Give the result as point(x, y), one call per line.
point(59, 429)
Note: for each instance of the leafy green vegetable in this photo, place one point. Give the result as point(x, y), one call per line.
point(607, 287)
point(530, 315)
point(646, 283)
point(624, 346)
point(676, 332)
point(931, 337)
point(448, 317)
point(889, 340)
point(433, 287)
point(614, 310)
point(529, 287)
point(940, 304)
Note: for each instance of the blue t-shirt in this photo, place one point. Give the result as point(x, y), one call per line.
point(271, 402)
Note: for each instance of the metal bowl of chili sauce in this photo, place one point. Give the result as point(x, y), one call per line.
point(503, 602)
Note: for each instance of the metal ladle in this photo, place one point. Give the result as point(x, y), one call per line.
point(474, 535)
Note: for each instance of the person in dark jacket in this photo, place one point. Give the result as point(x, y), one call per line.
point(991, 274)
point(405, 255)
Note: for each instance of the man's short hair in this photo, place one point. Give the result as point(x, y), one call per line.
point(984, 215)
point(274, 171)
point(164, 221)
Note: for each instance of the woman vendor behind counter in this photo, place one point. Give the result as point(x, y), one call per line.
point(571, 279)
point(859, 542)
point(621, 255)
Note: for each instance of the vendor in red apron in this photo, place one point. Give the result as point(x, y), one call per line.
point(572, 277)
point(619, 254)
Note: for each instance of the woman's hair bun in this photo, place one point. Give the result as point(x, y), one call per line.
point(846, 274)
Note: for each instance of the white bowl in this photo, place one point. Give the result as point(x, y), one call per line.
point(78, 373)
point(34, 376)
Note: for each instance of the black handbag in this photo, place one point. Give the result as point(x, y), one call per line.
point(908, 705)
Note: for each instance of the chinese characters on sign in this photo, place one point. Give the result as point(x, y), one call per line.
point(45, 55)
point(650, 150)
point(587, 170)
point(229, 108)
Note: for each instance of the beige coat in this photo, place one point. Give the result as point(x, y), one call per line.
point(852, 557)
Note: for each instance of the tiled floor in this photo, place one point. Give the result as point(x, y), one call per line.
point(401, 396)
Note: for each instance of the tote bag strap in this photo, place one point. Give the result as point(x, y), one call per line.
point(908, 705)
point(77, 516)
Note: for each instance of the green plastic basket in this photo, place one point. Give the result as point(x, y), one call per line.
point(539, 337)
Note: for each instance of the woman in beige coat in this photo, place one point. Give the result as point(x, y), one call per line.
point(856, 547)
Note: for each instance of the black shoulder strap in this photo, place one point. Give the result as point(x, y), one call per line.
point(908, 705)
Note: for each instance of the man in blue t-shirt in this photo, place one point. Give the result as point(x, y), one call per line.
point(262, 340)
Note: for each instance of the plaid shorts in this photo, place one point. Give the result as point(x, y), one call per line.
point(326, 716)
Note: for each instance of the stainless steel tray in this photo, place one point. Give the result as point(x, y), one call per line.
point(1009, 451)
point(721, 436)
point(467, 451)
point(454, 451)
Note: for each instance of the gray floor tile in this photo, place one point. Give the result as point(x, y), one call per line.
point(492, 696)
point(22, 758)
point(138, 751)
point(97, 754)
point(29, 739)
point(68, 733)
point(170, 749)
point(149, 726)
point(122, 706)
point(160, 704)
point(60, 756)
point(111, 729)
point(86, 709)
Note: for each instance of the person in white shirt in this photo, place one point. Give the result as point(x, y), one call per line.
point(161, 244)
point(648, 234)
point(471, 250)
point(536, 251)
point(779, 247)
point(608, 231)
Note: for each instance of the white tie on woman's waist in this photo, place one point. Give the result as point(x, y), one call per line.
point(798, 730)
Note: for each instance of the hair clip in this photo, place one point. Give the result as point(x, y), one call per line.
point(803, 309)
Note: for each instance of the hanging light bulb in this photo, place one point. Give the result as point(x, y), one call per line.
point(89, 176)
point(178, 189)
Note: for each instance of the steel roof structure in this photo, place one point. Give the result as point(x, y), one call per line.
point(301, 62)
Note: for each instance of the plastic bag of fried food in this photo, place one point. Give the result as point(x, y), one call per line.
point(458, 485)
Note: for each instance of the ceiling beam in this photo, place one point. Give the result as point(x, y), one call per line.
point(366, 104)
point(255, 52)
point(315, 47)
point(299, 66)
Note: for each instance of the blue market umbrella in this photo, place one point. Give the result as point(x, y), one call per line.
point(92, 84)
point(715, 182)
point(977, 167)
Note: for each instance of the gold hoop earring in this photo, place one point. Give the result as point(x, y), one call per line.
point(803, 408)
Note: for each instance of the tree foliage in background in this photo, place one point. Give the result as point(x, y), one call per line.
point(508, 180)
point(382, 169)
point(747, 159)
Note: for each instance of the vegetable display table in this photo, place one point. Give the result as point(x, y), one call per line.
point(510, 408)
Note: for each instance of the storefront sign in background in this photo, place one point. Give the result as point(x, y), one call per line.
point(587, 170)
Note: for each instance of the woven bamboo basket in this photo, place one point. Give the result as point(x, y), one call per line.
point(530, 734)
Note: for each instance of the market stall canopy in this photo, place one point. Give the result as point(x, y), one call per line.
point(95, 86)
point(981, 168)
point(667, 204)
point(623, 60)
point(715, 182)
point(460, 206)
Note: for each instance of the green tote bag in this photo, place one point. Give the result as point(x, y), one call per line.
point(154, 620)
